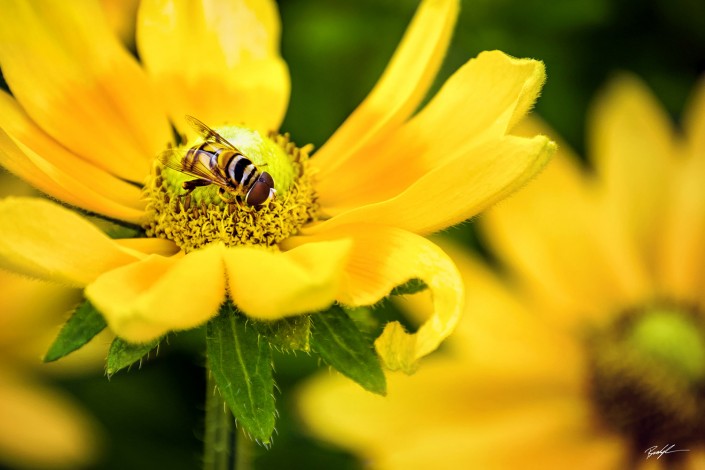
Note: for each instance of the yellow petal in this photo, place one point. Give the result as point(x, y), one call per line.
point(77, 82)
point(548, 435)
point(632, 145)
point(383, 258)
point(400, 89)
point(548, 234)
point(41, 428)
point(32, 155)
point(122, 16)
point(11, 185)
point(269, 286)
point(41, 239)
point(683, 253)
point(476, 105)
point(694, 120)
point(158, 246)
point(341, 413)
point(499, 331)
point(145, 300)
point(216, 60)
point(445, 417)
point(17, 162)
point(683, 256)
point(555, 234)
point(32, 312)
point(457, 190)
point(696, 459)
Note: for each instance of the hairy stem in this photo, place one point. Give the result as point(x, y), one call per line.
point(225, 448)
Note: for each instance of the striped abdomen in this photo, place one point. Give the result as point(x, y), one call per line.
point(231, 165)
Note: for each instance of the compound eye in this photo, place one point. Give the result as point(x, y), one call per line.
point(266, 178)
point(259, 193)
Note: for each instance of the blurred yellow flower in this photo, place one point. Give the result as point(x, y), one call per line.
point(591, 352)
point(40, 427)
point(86, 120)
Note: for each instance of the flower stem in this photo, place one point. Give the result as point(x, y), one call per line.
point(225, 448)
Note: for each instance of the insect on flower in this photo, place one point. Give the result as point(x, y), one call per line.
point(217, 161)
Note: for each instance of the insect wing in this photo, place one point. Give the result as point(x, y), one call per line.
point(196, 165)
point(172, 158)
point(209, 134)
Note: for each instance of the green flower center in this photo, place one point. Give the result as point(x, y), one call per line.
point(649, 377)
point(216, 212)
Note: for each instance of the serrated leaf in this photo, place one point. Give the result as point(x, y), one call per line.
point(340, 344)
point(412, 286)
point(123, 354)
point(241, 363)
point(291, 334)
point(84, 324)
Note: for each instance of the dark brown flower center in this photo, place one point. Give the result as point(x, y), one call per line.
point(648, 378)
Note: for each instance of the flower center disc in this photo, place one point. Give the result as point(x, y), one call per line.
point(648, 377)
point(193, 220)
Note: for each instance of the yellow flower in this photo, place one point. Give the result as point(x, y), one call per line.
point(86, 120)
point(592, 354)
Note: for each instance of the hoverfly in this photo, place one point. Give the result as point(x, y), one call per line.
point(217, 161)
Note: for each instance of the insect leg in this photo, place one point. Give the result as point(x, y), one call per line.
point(193, 184)
point(227, 197)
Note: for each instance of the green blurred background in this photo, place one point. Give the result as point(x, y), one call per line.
point(336, 50)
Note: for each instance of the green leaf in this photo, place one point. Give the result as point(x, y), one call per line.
point(365, 320)
point(123, 354)
point(340, 344)
point(241, 363)
point(291, 334)
point(412, 286)
point(84, 324)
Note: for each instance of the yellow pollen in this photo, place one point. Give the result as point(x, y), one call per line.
point(202, 217)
